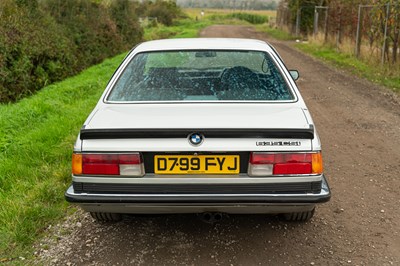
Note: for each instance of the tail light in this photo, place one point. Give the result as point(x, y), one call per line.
point(107, 164)
point(263, 164)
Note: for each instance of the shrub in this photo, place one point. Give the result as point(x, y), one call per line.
point(49, 40)
point(90, 27)
point(164, 11)
point(124, 13)
point(30, 50)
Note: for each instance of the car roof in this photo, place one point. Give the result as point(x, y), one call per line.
point(204, 44)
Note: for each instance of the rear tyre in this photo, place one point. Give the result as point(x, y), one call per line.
point(299, 216)
point(106, 217)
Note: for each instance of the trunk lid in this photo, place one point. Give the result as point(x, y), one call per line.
point(199, 116)
point(226, 128)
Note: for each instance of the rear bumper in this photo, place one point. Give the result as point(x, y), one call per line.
point(170, 203)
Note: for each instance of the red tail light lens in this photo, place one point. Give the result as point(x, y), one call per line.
point(292, 168)
point(262, 164)
point(111, 164)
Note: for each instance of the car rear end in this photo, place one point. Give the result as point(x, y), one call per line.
point(201, 146)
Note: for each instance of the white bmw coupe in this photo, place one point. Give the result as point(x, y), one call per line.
point(199, 126)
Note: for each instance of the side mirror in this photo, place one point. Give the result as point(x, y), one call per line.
point(295, 74)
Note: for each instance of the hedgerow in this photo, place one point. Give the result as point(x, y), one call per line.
point(43, 41)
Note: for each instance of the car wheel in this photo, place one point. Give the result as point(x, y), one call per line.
point(299, 216)
point(106, 217)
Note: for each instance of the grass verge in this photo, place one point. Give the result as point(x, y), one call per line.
point(388, 76)
point(275, 33)
point(36, 140)
point(382, 75)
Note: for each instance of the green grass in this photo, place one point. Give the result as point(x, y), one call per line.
point(383, 75)
point(36, 141)
point(184, 28)
point(275, 33)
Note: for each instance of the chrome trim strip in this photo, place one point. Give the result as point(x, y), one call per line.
point(324, 192)
point(210, 179)
point(201, 102)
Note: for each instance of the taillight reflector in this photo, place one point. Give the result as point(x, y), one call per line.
point(285, 163)
point(108, 164)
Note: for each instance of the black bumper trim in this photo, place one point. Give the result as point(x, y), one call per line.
point(305, 198)
point(125, 133)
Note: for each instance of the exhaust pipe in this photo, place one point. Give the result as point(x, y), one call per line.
point(218, 216)
point(211, 217)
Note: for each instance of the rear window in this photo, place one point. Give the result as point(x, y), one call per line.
point(201, 76)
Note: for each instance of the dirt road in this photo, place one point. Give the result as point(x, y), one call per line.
point(359, 125)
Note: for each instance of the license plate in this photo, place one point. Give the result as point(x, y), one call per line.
point(196, 164)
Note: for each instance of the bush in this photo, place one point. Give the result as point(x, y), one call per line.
point(49, 40)
point(92, 28)
point(43, 41)
point(124, 13)
point(30, 50)
point(164, 11)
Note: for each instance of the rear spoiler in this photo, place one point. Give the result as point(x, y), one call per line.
point(146, 133)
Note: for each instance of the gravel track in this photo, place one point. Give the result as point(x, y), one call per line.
point(359, 125)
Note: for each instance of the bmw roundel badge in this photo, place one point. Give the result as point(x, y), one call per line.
point(195, 139)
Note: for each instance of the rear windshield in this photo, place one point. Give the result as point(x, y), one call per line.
point(201, 76)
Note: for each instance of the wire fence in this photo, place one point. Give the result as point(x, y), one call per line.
point(371, 31)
